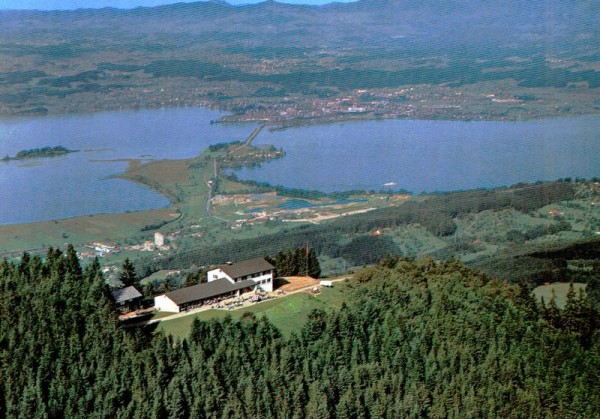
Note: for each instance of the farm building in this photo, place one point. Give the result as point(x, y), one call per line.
point(127, 299)
point(258, 270)
point(196, 295)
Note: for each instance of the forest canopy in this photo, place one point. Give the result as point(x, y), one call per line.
point(414, 339)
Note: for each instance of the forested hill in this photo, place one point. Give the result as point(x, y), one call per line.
point(414, 340)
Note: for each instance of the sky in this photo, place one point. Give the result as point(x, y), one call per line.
point(123, 4)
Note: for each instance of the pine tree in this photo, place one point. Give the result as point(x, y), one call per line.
point(317, 406)
point(127, 275)
point(72, 262)
point(149, 290)
point(300, 261)
point(346, 407)
point(569, 313)
point(190, 280)
point(314, 269)
point(552, 313)
point(176, 406)
point(526, 299)
point(283, 263)
point(592, 290)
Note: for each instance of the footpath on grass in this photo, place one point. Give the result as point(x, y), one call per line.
point(279, 293)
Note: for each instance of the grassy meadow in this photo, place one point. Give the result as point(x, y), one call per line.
point(287, 313)
point(84, 229)
point(560, 292)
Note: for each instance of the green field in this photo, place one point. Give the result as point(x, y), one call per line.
point(156, 277)
point(85, 229)
point(560, 291)
point(287, 314)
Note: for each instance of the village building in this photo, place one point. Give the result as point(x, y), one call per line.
point(159, 239)
point(226, 281)
point(257, 270)
point(127, 299)
point(196, 295)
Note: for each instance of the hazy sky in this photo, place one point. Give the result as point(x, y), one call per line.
point(124, 4)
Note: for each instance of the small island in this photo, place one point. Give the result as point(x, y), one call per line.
point(34, 153)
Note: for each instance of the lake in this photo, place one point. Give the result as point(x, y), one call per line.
point(413, 155)
point(71, 185)
point(427, 156)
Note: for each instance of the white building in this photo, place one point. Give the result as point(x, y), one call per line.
point(258, 270)
point(159, 239)
point(226, 281)
point(197, 295)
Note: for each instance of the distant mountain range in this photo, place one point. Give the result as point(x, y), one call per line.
point(251, 59)
point(556, 26)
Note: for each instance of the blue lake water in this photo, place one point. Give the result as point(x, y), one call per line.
point(415, 155)
point(73, 185)
point(427, 156)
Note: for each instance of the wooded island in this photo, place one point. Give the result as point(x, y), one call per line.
point(34, 153)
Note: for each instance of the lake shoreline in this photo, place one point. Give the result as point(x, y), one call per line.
point(276, 124)
point(137, 134)
point(429, 156)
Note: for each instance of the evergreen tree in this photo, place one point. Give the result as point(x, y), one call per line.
point(72, 262)
point(314, 269)
point(149, 290)
point(299, 257)
point(569, 318)
point(552, 313)
point(401, 346)
point(127, 276)
point(317, 407)
point(190, 280)
point(592, 290)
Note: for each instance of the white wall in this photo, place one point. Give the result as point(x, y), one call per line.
point(210, 275)
point(267, 277)
point(164, 303)
point(268, 285)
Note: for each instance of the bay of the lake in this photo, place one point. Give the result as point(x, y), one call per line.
point(413, 155)
point(429, 156)
point(75, 184)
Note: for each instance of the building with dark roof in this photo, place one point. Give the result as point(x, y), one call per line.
point(196, 295)
point(127, 298)
point(257, 270)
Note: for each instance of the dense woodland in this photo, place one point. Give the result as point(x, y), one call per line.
point(301, 261)
point(414, 339)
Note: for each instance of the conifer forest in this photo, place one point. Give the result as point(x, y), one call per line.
point(415, 339)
